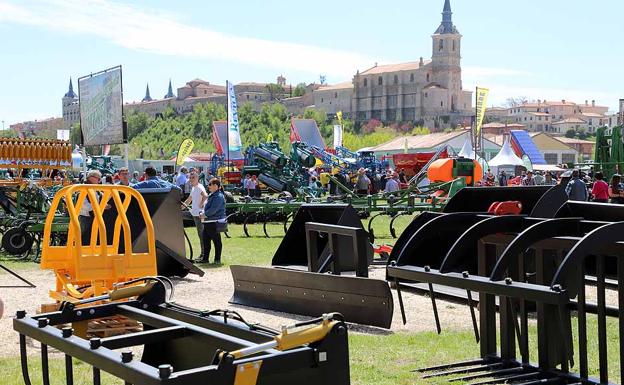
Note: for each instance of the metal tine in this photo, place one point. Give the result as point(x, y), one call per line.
point(554, 380)
point(398, 289)
point(567, 360)
point(45, 369)
point(96, 376)
point(453, 365)
point(24, 359)
point(582, 329)
point(495, 373)
point(435, 308)
point(507, 379)
point(465, 370)
point(69, 370)
point(524, 350)
point(475, 327)
point(602, 319)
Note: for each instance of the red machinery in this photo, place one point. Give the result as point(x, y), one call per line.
point(413, 163)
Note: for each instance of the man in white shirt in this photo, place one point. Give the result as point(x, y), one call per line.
point(85, 217)
point(392, 185)
point(197, 198)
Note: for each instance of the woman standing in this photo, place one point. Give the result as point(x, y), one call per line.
point(615, 190)
point(214, 214)
point(600, 190)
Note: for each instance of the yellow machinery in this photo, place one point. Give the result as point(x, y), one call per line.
point(35, 153)
point(86, 270)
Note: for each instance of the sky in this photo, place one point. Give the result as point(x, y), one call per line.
point(555, 49)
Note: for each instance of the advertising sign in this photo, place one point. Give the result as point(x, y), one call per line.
point(101, 108)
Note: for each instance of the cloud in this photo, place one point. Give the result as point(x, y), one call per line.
point(474, 74)
point(138, 29)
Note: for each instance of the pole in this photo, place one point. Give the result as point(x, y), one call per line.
point(227, 128)
point(126, 156)
point(474, 125)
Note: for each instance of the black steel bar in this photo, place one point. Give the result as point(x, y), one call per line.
point(602, 319)
point(27, 282)
point(466, 370)
point(96, 376)
point(24, 359)
point(582, 329)
point(479, 361)
point(495, 373)
point(524, 349)
point(507, 379)
point(554, 380)
point(398, 289)
point(69, 370)
point(45, 368)
point(566, 352)
point(475, 326)
point(524, 319)
point(144, 337)
point(435, 308)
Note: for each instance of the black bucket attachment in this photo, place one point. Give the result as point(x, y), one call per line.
point(164, 208)
point(360, 300)
point(291, 252)
point(336, 242)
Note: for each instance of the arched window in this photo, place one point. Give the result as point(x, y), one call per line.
point(380, 80)
point(396, 79)
point(441, 104)
point(453, 45)
point(441, 45)
point(412, 78)
point(365, 82)
point(427, 77)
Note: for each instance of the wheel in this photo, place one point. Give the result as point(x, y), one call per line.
point(17, 241)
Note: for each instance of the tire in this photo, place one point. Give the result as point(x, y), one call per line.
point(16, 241)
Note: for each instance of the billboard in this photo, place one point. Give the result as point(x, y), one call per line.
point(101, 108)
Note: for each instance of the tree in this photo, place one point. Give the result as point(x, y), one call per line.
point(570, 134)
point(516, 101)
point(300, 90)
point(276, 91)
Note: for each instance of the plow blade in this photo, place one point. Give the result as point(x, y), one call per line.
point(360, 300)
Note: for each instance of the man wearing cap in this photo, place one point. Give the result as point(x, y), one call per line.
point(392, 184)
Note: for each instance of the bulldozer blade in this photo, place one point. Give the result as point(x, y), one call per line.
point(360, 300)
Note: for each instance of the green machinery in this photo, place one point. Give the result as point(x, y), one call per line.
point(609, 151)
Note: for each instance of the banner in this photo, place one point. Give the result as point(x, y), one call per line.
point(62, 134)
point(482, 94)
point(337, 135)
point(234, 140)
point(185, 150)
point(101, 108)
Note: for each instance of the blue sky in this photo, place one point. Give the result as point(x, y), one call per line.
point(556, 49)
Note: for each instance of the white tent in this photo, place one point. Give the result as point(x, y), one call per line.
point(466, 150)
point(506, 157)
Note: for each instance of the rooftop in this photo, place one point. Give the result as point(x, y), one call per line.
point(571, 120)
point(338, 86)
point(567, 140)
point(418, 141)
point(408, 66)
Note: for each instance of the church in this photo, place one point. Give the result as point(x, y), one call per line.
point(427, 92)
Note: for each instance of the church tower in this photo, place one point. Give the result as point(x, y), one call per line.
point(446, 57)
point(147, 97)
point(70, 107)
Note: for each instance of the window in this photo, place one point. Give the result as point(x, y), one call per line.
point(321, 100)
point(567, 158)
point(550, 158)
point(412, 78)
point(441, 45)
point(426, 95)
point(396, 79)
point(335, 95)
point(441, 104)
point(247, 96)
point(427, 77)
point(453, 45)
point(365, 82)
point(205, 92)
point(380, 81)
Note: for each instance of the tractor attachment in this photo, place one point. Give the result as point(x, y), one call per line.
point(522, 265)
point(313, 283)
point(187, 346)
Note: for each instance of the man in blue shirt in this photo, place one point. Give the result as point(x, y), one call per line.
point(153, 181)
point(576, 188)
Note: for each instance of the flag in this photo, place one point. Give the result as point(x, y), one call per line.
point(185, 150)
point(482, 94)
point(234, 140)
point(337, 135)
point(339, 116)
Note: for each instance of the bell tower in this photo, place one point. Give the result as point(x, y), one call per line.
point(446, 56)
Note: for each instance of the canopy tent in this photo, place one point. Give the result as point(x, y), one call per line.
point(547, 167)
point(506, 157)
point(466, 150)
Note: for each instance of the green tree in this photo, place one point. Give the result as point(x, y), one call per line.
point(299, 90)
point(570, 134)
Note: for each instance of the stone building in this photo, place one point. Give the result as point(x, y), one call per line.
point(71, 109)
point(422, 91)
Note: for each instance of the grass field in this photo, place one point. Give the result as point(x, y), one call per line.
point(375, 359)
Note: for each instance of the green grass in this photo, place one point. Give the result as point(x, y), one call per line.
point(375, 359)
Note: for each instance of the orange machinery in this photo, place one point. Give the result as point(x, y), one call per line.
point(446, 170)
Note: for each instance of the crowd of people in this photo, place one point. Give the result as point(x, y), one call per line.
point(206, 207)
